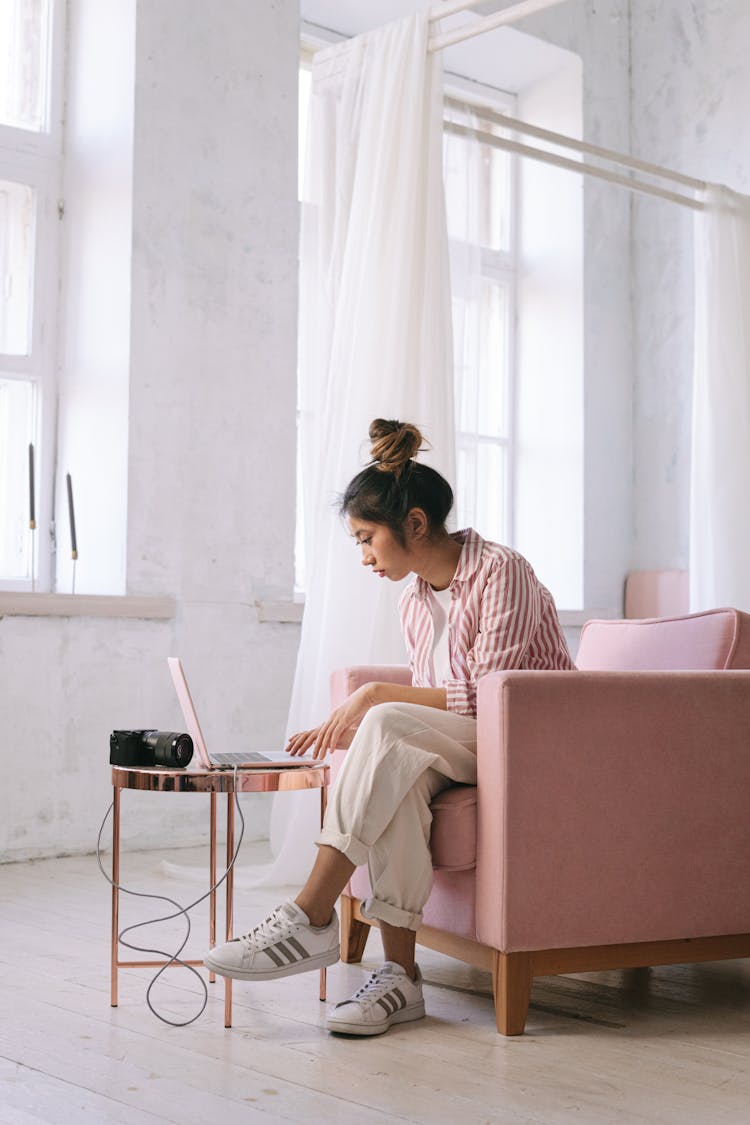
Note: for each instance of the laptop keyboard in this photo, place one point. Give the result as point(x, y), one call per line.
point(238, 759)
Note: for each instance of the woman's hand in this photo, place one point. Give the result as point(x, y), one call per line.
point(337, 730)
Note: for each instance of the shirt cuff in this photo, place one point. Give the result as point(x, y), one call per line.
point(461, 697)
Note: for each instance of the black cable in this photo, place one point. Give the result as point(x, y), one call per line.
point(170, 959)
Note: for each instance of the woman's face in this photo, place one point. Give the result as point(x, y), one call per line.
point(381, 549)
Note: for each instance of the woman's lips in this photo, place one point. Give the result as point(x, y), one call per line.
point(380, 573)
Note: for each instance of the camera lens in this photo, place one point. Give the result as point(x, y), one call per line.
point(169, 747)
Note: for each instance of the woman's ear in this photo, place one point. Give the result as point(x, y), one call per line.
point(417, 523)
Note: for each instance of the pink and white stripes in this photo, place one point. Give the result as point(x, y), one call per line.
point(501, 617)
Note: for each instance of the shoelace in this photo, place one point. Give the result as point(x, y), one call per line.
point(268, 931)
point(374, 987)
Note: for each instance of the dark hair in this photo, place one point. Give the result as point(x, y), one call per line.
point(394, 483)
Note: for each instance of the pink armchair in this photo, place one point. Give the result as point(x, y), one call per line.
point(610, 826)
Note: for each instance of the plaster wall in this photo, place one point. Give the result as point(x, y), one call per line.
point(667, 81)
point(599, 34)
point(690, 92)
point(211, 448)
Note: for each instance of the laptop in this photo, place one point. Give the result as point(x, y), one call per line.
point(246, 761)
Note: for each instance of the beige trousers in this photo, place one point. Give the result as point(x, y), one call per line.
point(379, 811)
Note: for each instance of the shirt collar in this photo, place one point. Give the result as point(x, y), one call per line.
point(468, 562)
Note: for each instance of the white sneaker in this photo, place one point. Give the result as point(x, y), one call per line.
point(283, 944)
point(389, 996)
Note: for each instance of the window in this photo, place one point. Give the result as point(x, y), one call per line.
point(30, 169)
point(480, 210)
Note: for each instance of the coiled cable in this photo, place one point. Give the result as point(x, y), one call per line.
point(174, 958)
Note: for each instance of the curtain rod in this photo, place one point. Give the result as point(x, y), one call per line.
point(571, 165)
point(516, 12)
point(517, 126)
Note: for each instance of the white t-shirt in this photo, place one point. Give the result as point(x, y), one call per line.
point(440, 601)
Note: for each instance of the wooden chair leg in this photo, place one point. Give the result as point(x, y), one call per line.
point(512, 978)
point(354, 933)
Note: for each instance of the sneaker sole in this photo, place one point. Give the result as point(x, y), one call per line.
point(412, 1012)
point(320, 961)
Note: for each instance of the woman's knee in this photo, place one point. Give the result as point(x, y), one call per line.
point(389, 717)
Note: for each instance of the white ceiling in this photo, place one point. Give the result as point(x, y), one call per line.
point(504, 58)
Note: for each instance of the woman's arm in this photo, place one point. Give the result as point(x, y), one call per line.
point(509, 615)
point(336, 731)
point(401, 693)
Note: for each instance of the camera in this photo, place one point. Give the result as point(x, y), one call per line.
point(150, 748)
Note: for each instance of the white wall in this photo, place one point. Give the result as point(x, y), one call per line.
point(211, 451)
point(669, 82)
point(549, 408)
point(691, 92)
point(600, 35)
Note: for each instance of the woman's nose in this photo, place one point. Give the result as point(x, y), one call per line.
point(367, 557)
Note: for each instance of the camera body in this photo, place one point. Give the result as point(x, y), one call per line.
point(150, 748)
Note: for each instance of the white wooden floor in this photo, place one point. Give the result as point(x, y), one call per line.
point(669, 1045)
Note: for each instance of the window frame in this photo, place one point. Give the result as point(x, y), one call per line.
point(36, 159)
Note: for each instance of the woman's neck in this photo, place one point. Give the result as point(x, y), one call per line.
point(438, 562)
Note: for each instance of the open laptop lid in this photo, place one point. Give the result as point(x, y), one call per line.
point(188, 710)
point(190, 715)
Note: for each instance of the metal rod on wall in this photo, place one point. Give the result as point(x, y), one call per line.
point(488, 23)
point(572, 165)
point(515, 126)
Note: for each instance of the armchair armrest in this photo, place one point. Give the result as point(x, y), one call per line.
point(344, 681)
point(612, 807)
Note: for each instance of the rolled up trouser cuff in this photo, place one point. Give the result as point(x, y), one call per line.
point(393, 915)
point(354, 850)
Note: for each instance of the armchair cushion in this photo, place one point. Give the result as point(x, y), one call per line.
point(716, 639)
point(453, 838)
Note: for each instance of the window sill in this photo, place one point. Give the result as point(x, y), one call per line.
point(85, 605)
point(283, 610)
point(292, 611)
point(21, 604)
point(576, 618)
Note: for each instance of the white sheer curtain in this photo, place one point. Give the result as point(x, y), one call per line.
point(375, 341)
point(720, 480)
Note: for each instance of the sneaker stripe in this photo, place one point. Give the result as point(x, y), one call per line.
point(298, 946)
point(274, 956)
point(285, 952)
point(401, 997)
point(387, 1008)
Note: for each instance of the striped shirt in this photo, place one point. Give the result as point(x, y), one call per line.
point(501, 617)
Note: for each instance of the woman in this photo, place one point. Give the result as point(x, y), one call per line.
point(474, 607)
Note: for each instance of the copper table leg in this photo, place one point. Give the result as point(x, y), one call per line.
point(114, 943)
point(322, 815)
point(229, 905)
point(212, 883)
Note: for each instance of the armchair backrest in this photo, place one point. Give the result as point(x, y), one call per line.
point(716, 639)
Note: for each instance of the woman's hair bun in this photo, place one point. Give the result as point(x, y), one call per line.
point(394, 445)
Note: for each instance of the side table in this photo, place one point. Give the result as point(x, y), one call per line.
point(213, 782)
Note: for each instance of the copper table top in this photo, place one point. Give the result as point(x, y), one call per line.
point(278, 779)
